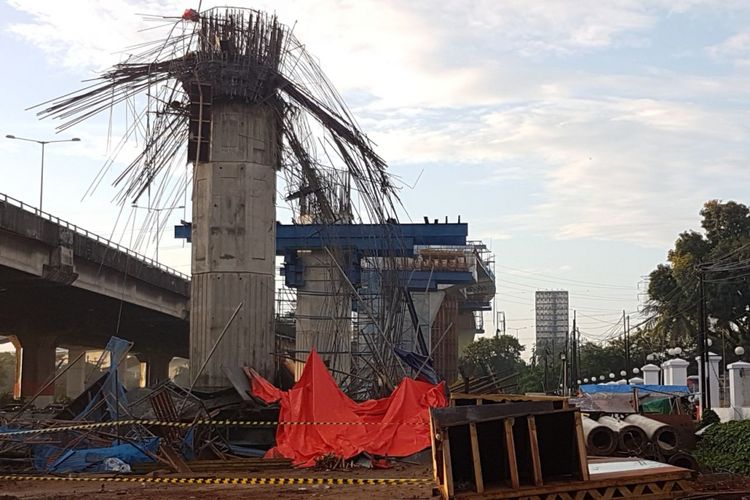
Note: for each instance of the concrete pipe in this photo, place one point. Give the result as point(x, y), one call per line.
point(684, 460)
point(630, 438)
point(600, 440)
point(662, 435)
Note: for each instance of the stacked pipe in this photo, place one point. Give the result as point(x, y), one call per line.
point(684, 460)
point(662, 435)
point(631, 439)
point(600, 439)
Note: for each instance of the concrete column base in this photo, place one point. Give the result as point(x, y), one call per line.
point(157, 367)
point(75, 377)
point(37, 367)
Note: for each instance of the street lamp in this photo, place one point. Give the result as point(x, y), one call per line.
point(41, 174)
point(158, 233)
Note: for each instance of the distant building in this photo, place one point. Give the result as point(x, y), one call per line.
point(551, 321)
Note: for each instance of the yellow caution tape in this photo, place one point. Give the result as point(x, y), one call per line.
point(185, 425)
point(229, 480)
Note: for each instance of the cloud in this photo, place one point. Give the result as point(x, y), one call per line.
point(609, 153)
point(735, 49)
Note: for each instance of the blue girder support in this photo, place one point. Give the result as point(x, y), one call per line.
point(372, 239)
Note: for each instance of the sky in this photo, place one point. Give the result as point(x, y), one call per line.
point(577, 139)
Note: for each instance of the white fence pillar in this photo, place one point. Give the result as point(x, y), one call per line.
point(739, 384)
point(713, 378)
point(675, 371)
point(650, 374)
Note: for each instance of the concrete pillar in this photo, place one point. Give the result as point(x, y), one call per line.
point(675, 371)
point(713, 378)
point(75, 377)
point(650, 374)
point(466, 330)
point(157, 367)
point(234, 237)
point(445, 341)
point(323, 316)
point(37, 367)
point(17, 380)
point(635, 381)
point(427, 305)
point(739, 384)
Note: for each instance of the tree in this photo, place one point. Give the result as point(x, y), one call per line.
point(497, 355)
point(722, 251)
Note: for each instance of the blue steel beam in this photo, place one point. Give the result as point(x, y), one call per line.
point(370, 239)
point(373, 239)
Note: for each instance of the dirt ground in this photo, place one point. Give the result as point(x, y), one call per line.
point(28, 490)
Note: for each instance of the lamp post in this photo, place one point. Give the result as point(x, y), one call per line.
point(41, 174)
point(158, 233)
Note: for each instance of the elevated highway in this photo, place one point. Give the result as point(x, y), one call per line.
point(63, 286)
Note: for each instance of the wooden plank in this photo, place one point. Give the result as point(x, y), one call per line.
point(461, 415)
point(433, 442)
point(588, 489)
point(499, 398)
point(479, 481)
point(510, 448)
point(534, 451)
point(582, 461)
point(447, 468)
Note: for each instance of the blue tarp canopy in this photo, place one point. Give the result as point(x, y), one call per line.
point(625, 389)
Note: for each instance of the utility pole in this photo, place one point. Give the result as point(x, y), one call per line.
point(573, 354)
point(625, 339)
point(703, 344)
point(578, 352)
point(627, 347)
point(499, 323)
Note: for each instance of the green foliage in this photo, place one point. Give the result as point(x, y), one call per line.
point(673, 288)
point(726, 447)
point(532, 378)
point(497, 355)
point(709, 417)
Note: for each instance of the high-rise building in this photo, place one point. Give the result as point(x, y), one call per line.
point(551, 319)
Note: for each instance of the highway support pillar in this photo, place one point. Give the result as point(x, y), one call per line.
point(234, 245)
point(323, 316)
point(75, 377)
point(37, 367)
point(157, 367)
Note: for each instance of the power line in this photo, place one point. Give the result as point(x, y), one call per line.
point(557, 278)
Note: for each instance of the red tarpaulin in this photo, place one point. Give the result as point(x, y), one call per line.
point(395, 426)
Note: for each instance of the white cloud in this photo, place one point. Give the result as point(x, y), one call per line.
point(735, 49)
point(625, 156)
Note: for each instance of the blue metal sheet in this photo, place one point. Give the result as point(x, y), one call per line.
point(374, 239)
point(621, 389)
